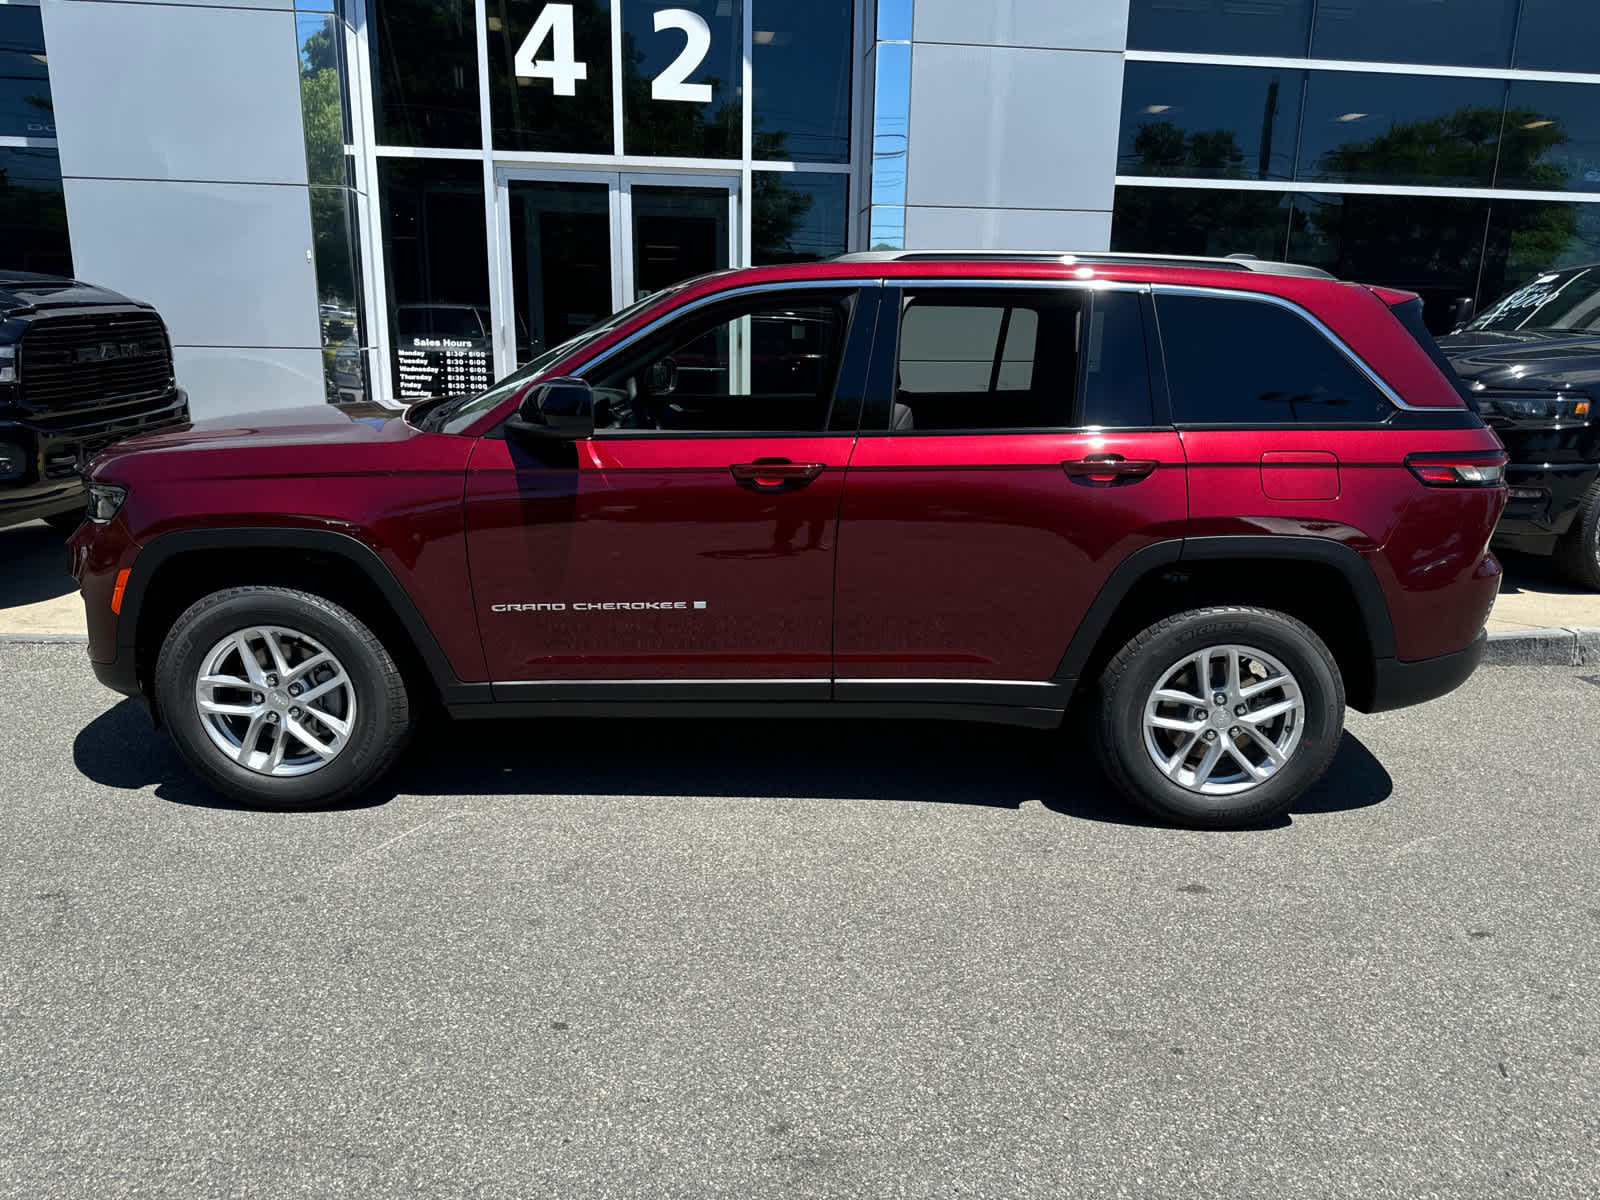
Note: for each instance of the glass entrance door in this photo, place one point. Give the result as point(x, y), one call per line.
point(579, 245)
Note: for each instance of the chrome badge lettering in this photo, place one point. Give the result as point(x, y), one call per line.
point(603, 606)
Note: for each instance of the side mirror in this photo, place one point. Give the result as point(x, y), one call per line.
point(1463, 311)
point(557, 410)
point(663, 378)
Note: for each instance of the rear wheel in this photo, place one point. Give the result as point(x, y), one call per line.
point(1578, 551)
point(279, 698)
point(1220, 718)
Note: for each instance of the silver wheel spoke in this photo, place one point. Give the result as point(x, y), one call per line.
point(252, 735)
point(1270, 711)
point(280, 664)
point(301, 670)
point(1172, 764)
point(1209, 762)
point(1233, 671)
point(1175, 723)
point(1268, 746)
point(230, 710)
point(1171, 696)
point(307, 738)
point(322, 689)
point(1243, 760)
point(241, 643)
point(1252, 690)
point(279, 740)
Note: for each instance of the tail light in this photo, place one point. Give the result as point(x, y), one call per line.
point(1475, 470)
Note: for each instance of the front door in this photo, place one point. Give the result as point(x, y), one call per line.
point(694, 535)
point(579, 245)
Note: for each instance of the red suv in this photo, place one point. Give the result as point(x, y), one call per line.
point(1217, 499)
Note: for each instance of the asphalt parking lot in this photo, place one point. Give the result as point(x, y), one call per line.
point(683, 959)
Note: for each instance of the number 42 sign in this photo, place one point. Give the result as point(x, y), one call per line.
point(563, 69)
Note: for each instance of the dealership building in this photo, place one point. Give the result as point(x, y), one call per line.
point(391, 199)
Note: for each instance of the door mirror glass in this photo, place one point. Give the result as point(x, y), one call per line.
point(663, 378)
point(559, 409)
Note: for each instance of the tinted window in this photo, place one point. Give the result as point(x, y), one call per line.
point(798, 216)
point(697, 43)
point(1278, 27)
point(1246, 362)
point(1400, 129)
point(759, 366)
point(1569, 300)
point(800, 72)
point(1558, 35)
point(425, 73)
point(1468, 33)
point(25, 109)
point(1116, 373)
point(1431, 245)
point(987, 360)
point(547, 105)
point(33, 213)
point(1530, 238)
point(1212, 122)
point(1200, 221)
point(1551, 137)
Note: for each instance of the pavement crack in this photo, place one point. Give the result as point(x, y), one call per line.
point(371, 851)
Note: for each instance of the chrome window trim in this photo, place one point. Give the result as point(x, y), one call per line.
point(1178, 289)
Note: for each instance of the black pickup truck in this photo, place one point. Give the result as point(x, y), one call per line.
point(80, 368)
point(1531, 365)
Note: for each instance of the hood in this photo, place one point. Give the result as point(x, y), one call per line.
point(21, 291)
point(318, 439)
point(1536, 359)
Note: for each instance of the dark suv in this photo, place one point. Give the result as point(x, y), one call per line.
point(80, 367)
point(1217, 499)
point(1531, 363)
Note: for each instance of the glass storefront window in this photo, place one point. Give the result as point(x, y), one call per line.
point(334, 243)
point(887, 229)
point(1209, 122)
point(798, 216)
point(682, 78)
point(1551, 138)
point(322, 91)
point(1558, 35)
point(1463, 33)
point(800, 71)
point(33, 213)
point(438, 257)
point(1202, 221)
point(1528, 237)
point(560, 260)
point(677, 232)
point(25, 109)
point(550, 76)
point(425, 73)
point(1265, 27)
point(1431, 245)
point(1399, 129)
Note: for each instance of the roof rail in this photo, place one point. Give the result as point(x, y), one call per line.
point(1089, 258)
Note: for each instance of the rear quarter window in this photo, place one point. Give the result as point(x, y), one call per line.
point(1250, 362)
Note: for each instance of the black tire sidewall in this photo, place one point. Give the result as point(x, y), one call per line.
point(1122, 716)
point(379, 703)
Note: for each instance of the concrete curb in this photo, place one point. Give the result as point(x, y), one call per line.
point(69, 639)
point(1575, 647)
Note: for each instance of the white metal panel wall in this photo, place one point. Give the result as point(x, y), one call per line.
point(1015, 111)
point(183, 164)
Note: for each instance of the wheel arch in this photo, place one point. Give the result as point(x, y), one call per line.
point(1326, 584)
point(178, 568)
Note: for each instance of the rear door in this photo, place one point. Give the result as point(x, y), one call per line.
point(1010, 457)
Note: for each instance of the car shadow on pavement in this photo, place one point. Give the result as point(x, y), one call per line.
point(36, 565)
point(1535, 573)
point(895, 761)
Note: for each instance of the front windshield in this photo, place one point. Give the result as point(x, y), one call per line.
point(456, 416)
point(1560, 300)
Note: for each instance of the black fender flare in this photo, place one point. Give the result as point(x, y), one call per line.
point(162, 549)
point(1364, 585)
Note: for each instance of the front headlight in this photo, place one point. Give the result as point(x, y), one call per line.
point(1535, 408)
point(104, 501)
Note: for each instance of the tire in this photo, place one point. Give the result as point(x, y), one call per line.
point(1578, 552)
point(65, 523)
point(326, 649)
point(1135, 725)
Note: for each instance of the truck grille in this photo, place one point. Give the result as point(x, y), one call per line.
point(91, 361)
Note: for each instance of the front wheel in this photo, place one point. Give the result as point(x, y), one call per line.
point(1219, 718)
point(1578, 551)
point(280, 699)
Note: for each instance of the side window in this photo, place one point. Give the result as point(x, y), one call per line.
point(758, 365)
point(980, 360)
point(1248, 362)
point(1116, 371)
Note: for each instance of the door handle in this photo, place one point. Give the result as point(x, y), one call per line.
point(775, 474)
point(1109, 468)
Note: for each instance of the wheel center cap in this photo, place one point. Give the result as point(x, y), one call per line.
point(277, 699)
point(1221, 718)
